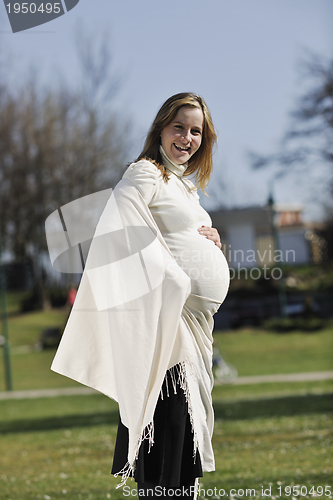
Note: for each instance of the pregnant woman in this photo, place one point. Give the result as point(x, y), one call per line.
point(154, 354)
point(180, 143)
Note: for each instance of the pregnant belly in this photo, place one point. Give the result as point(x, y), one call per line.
point(203, 262)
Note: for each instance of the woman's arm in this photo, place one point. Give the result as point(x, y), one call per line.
point(212, 234)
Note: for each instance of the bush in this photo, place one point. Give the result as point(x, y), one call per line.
point(31, 302)
point(58, 297)
point(283, 325)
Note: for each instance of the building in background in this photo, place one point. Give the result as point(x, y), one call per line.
point(248, 240)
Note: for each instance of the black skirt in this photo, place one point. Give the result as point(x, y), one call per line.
point(170, 461)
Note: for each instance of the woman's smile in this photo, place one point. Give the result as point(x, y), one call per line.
point(180, 148)
point(182, 137)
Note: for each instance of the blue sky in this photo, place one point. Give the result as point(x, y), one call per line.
point(240, 55)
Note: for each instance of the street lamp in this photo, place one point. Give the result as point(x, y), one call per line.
point(4, 338)
point(281, 287)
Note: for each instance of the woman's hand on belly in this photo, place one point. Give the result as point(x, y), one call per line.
point(212, 234)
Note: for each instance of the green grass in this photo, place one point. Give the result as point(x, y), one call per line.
point(272, 389)
point(256, 352)
point(75, 411)
point(72, 464)
point(266, 435)
point(265, 451)
point(25, 329)
point(255, 452)
point(41, 409)
point(252, 351)
point(13, 301)
point(32, 371)
point(49, 413)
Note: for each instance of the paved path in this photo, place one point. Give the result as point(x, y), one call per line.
point(283, 377)
point(47, 393)
point(257, 379)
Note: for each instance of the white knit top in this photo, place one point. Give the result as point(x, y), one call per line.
point(177, 212)
point(144, 309)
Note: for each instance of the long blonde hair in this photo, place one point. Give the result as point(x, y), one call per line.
point(201, 162)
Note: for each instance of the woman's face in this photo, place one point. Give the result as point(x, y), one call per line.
point(182, 137)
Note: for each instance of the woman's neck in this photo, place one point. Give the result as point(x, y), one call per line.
point(172, 166)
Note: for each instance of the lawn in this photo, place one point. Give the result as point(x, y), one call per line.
point(258, 352)
point(25, 329)
point(252, 351)
point(257, 444)
point(267, 437)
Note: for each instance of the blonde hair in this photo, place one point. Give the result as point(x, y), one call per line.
point(201, 162)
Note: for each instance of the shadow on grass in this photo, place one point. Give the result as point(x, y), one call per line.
point(274, 407)
point(66, 421)
point(235, 410)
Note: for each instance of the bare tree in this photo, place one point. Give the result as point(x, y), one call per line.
point(308, 141)
point(56, 146)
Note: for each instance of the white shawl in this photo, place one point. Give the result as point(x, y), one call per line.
point(132, 318)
